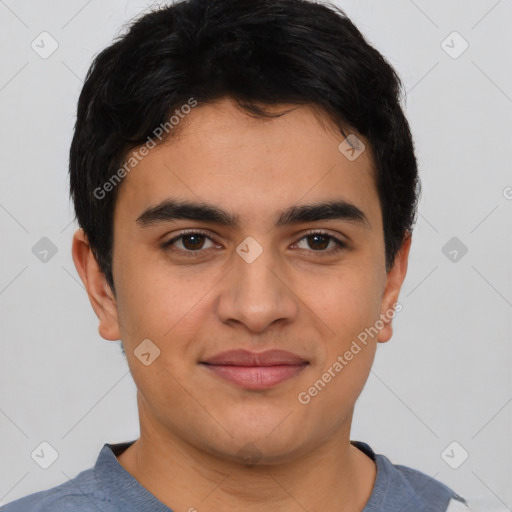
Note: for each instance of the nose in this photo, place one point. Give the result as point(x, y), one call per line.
point(257, 294)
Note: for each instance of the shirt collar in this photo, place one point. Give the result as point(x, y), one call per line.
point(120, 485)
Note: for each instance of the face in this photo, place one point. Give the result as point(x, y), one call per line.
point(254, 272)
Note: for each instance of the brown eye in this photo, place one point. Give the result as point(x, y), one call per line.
point(189, 244)
point(320, 242)
point(193, 242)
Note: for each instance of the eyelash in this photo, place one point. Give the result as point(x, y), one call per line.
point(340, 246)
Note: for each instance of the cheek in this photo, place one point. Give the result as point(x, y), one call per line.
point(153, 301)
point(347, 300)
point(169, 315)
point(350, 307)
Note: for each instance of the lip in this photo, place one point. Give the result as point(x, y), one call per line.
point(255, 370)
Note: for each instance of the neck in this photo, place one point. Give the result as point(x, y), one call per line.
point(335, 476)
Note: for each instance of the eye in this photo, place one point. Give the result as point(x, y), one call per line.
point(319, 241)
point(189, 242)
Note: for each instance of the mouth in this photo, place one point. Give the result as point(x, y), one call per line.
point(255, 370)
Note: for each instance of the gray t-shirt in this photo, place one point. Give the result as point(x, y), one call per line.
point(108, 487)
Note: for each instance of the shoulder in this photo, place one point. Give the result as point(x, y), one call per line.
point(399, 487)
point(417, 481)
point(81, 493)
point(421, 491)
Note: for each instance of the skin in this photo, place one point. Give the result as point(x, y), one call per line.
point(197, 430)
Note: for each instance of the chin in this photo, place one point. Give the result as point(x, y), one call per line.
point(262, 452)
point(266, 440)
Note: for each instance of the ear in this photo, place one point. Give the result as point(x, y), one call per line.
point(100, 295)
point(394, 280)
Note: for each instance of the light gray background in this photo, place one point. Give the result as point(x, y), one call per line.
point(446, 374)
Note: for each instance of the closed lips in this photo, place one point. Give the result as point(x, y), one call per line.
point(255, 370)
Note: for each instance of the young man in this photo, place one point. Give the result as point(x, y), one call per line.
point(246, 186)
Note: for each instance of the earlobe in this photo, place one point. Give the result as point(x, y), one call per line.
point(394, 281)
point(100, 295)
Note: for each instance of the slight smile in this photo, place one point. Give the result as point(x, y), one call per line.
point(255, 370)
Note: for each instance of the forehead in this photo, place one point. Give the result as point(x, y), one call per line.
point(222, 155)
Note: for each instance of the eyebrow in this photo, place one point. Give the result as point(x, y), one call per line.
point(172, 209)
